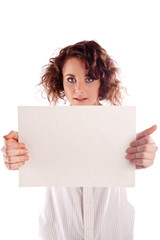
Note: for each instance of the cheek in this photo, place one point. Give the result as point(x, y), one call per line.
point(68, 90)
point(95, 89)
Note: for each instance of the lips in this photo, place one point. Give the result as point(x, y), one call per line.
point(80, 99)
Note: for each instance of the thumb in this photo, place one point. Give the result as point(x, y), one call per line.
point(146, 132)
point(11, 135)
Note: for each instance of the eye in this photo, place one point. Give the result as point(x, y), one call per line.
point(71, 80)
point(89, 80)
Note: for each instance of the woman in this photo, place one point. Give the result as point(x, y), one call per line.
point(84, 74)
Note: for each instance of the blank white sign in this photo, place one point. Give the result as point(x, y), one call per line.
point(77, 146)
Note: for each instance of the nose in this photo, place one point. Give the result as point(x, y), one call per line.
point(80, 88)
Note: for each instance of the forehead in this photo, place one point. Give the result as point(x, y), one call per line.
point(74, 65)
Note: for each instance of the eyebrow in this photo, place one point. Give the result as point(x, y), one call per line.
point(69, 74)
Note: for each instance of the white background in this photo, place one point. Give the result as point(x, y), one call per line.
point(30, 33)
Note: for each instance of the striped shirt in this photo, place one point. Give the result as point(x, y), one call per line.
point(86, 213)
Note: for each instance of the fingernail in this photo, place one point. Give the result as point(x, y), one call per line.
point(26, 157)
point(130, 150)
point(132, 144)
point(26, 151)
point(21, 163)
point(23, 145)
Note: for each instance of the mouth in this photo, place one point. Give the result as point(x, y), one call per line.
point(80, 99)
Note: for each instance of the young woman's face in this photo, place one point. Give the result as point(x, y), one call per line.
point(80, 89)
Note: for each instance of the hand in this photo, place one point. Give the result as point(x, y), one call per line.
point(142, 151)
point(15, 154)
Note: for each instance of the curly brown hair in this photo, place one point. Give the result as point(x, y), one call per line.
point(99, 65)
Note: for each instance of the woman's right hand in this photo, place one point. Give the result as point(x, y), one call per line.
point(15, 154)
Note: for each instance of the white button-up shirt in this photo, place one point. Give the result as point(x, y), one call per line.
point(88, 213)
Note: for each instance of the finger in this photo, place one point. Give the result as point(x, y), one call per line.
point(143, 148)
point(16, 159)
point(14, 166)
point(16, 152)
point(139, 167)
point(146, 132)
point(14, 144)
point(3, 150)
point(141, 155)
point(143, 163)
point(11, 135)
point(6, 142)
point(142, 141)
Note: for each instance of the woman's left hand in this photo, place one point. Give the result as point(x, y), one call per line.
point(142, 151)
